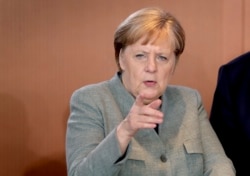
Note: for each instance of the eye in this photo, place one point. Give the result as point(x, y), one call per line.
point(140, 56)
point(162, 58)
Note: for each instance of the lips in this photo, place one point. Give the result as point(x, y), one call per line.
point(150, 83)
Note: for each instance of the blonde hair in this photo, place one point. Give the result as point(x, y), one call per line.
point(149, 21)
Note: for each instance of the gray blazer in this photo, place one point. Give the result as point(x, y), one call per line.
point(185, 146)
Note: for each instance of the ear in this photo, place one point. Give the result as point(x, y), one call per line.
point(121, 59)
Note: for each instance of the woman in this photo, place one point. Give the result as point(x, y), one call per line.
point(136, 124)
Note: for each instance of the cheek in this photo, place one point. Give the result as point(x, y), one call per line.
point(135, 71)
point(136, 76)
point(166, 76)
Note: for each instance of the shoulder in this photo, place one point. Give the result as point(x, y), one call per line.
point(178, 89)
point(101, 90)
point(238, 63)
point(242, 59)
point(92, 88)
point(182, 98)
point(91, 91)
point(236, 68)
point(183, 92)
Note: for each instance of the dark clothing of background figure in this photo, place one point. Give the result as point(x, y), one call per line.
point(230, 113)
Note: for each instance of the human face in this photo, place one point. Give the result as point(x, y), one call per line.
point(147, 68)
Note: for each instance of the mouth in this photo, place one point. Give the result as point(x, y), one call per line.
point(150, 83)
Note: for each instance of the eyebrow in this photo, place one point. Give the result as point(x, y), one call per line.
point(165, 53)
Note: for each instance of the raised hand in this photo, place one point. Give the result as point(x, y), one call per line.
point(141, 116)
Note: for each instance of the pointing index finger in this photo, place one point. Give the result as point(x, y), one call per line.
point(139, 100)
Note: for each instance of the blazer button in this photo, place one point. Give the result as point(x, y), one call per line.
point(163, 158)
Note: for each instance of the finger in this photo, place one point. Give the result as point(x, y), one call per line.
point(139, 100)
point(155, 104)
point(143, 99)
point(154, 119)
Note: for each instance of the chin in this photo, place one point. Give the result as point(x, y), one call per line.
point(150, 94)
point(147, 101)
point(150, 100)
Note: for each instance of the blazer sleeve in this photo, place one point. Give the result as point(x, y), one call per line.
point(222, 115)
point(88, 150)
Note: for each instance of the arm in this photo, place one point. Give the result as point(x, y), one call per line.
point(88, 151)
point(140, 116)
point(222, 113)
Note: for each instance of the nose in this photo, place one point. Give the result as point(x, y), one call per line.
point(151, 65)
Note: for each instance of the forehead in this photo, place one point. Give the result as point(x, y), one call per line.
point(160, 41)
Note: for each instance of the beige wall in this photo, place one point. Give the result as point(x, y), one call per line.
point(48, 48)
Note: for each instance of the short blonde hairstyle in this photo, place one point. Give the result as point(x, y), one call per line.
point(148, 21)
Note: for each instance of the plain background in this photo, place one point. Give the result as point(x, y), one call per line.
point(49, 48)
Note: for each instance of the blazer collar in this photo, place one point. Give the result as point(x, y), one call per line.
point(122, 97)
